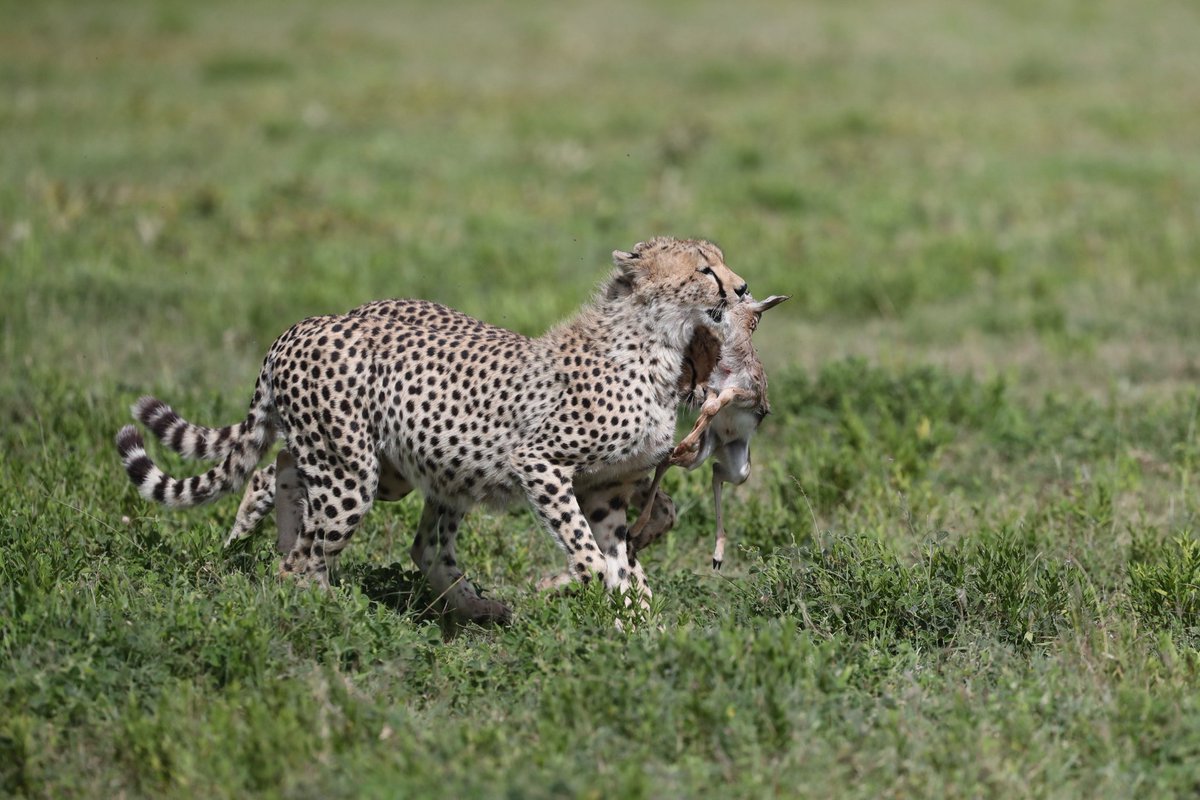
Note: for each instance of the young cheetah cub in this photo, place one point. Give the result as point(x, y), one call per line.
point(470, 416)
point(735, 405)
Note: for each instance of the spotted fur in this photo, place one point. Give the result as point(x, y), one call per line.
point(603, 505)
point(472, 416)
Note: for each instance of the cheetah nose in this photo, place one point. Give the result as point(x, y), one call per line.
point(741, 290)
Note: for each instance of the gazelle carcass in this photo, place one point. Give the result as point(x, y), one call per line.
point(734, 406)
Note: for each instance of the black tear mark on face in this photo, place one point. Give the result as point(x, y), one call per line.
point(720, 286)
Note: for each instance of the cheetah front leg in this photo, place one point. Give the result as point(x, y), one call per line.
point(552, 497)
point(606, 515)
point(434, 553)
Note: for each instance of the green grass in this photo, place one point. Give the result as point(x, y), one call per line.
point(968, 561)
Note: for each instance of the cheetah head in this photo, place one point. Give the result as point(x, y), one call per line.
point(688, 274)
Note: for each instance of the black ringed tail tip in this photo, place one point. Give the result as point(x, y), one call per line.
point(128, 440)
point(133, 455)
point(148, 408)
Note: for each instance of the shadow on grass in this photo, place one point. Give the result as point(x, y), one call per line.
point(403, 590)
point(406, 592)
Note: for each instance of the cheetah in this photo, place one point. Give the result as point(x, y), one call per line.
point(471, 416)
point(605, 505)
point(735, 405)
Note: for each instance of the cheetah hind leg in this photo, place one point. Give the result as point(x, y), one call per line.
point(289, 499)
point(329, 517)
point(434, 553)
point(289, 496)
point(256, 504)
point(265, 491)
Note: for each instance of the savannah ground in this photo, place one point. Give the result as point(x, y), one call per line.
point(967, 561)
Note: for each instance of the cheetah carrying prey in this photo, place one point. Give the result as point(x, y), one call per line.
point(735, 405)
point(277, 486)
point(470, 415)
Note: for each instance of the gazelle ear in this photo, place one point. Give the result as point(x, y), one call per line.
point(769, 303)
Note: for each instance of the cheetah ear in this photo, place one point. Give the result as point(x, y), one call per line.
point(630, 266)
point(627, 261)
point(769, 303)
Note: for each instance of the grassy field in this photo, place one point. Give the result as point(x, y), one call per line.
point(967, 564)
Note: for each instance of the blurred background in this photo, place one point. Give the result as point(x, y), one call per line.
point(992, 187)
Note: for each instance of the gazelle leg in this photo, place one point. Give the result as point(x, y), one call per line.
point(691, 442)
point(662, 516)
point(648, 507)
point(719, 549)
point(712, 406)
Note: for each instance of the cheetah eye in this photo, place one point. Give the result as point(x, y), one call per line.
point(709, 272)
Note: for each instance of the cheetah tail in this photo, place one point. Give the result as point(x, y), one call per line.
point(183, 437)
point(248, 444)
